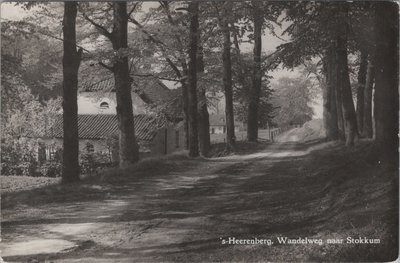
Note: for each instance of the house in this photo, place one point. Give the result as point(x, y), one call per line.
point(98, 133)
point(149, 96)
point(218, 124)
point(157, 118)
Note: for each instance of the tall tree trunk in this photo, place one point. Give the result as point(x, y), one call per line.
point(241, 74)
point(185, 104)
point(329, 98)
point(192, 91)
point(386, 97)
point(367, 118)
point(128, 147)
point(349, 113)
point(362, 75)
point(203, 116)
point(338, 97)
point(227, 79)
point(254, 100)
point(71, 62)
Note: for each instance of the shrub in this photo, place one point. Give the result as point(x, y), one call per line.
point(18, 157)
point(49, 169)
point(91, 162)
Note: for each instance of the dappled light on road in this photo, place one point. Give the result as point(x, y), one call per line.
point(181, 215)
point(33, 247)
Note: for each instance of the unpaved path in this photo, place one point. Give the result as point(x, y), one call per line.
point(289, 136)
point(179, 216)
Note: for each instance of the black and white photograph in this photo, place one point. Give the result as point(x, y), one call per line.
point(199, 131)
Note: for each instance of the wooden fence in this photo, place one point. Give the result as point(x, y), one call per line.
point(263, 134)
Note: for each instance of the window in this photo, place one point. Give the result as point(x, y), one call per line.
point(104, 105)
point(224, 129)
point(212, 130)
point(89, 147)
point(51, 153)
point(177, 139)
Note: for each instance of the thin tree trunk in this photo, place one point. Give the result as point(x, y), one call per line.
point(367, 118)
point(71, 62)
point(192, 91)
point(254, 100)
point(128, 147)
point(329, 99)
point(362, 75)
point(386, 97)
point(227, 79)
point(203, 116)
point(204, 124)
point(185, 105)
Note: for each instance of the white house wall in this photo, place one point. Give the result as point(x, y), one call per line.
point(220, 129)
point(89, 103)
point(159, 146)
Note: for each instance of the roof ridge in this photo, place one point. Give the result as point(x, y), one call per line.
point(95, 83)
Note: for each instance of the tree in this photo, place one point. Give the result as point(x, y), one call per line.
point(291, 99)
point(322, 29)
point(192, 90)
point(128, 147)
point(362, 44)
point(227, 75)
point(71, 62)
point(386, 98)
point(203, 116)
point(367, 118)
point(330, 112)
point(28, 59)
point(242, 79)
point(254, 100)
point(169, 35)
point(349, 115)
point(362, 78)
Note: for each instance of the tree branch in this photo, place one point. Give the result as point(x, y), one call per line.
point(106, 66)
point(79, 56)
point(140, 26)
point(165, 6)
point(159, 43)
point(174, 68)
point(133, 9)
point(100, 28)
point(152, 75)
point(57, 38)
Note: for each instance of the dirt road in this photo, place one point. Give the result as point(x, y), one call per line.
point(186, 215)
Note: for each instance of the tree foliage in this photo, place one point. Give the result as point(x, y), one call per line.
point(241, 92)
point(292, 100)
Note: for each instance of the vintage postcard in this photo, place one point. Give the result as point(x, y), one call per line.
point(200, 131)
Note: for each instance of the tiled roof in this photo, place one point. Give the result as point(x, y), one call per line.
point(103, 126)
point(106, 84)
point(151, 90)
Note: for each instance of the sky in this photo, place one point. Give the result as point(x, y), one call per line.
point(269, 43)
